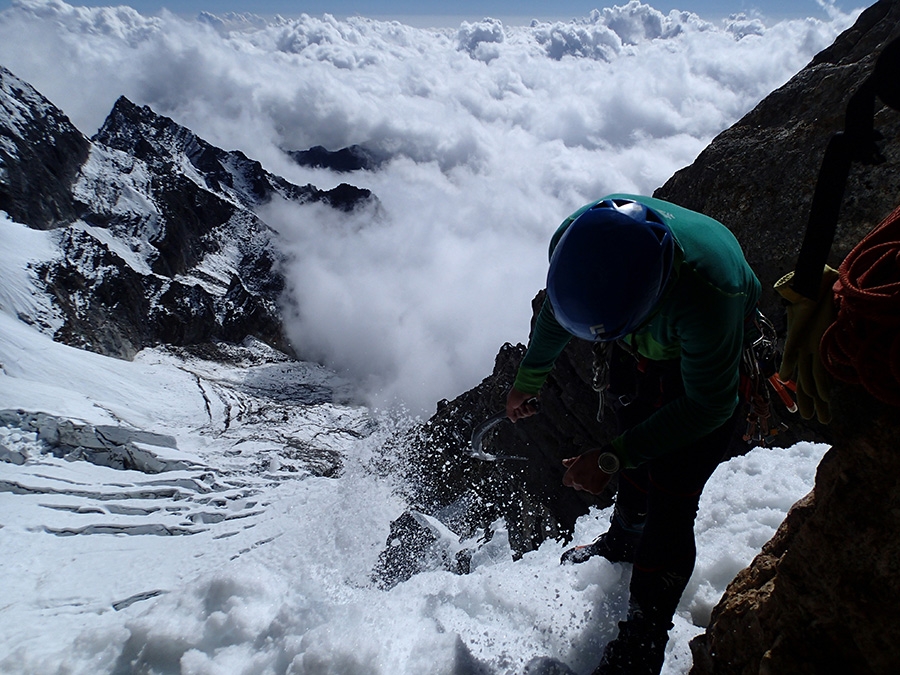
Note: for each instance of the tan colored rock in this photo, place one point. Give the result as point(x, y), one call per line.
point(823, 596)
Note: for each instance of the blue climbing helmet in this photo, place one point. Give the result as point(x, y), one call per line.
point(609, 269)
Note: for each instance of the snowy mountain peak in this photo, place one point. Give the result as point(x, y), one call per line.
point(159, 240)
point(161, 142)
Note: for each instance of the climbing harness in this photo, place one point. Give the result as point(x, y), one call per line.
point(758, 376)
point(759, 380)
point(862, 346)
point(601, 352)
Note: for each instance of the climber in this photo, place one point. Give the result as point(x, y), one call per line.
point(667, 292)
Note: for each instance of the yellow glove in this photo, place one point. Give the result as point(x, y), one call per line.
point(806, 322)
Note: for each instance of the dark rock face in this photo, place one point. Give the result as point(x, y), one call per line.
point(40, 155)
point(758, 176)
point(159, 238)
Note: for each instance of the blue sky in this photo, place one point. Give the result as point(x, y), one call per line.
point(470, 9)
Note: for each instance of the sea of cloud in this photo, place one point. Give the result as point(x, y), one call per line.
point(492, 135)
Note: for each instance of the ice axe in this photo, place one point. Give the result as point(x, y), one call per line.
point(478, 434)
point(858, 141)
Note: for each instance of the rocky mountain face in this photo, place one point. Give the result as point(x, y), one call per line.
point(40, 156)
point(159, 242)
point(823, 595)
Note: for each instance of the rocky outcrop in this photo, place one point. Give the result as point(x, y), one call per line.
point(823, 596)
point(468, 494)
point(41, 152)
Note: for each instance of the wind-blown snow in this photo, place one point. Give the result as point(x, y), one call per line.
point(494, 134)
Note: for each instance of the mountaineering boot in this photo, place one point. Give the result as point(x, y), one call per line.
point(639, 648)
point(618, 544)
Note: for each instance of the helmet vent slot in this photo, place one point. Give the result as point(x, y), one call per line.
point(653, 217)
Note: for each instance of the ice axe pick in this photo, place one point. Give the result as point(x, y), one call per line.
point(479, 432)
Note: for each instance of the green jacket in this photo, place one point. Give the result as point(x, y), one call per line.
point(699, 319)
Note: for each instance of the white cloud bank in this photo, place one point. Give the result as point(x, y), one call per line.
point(496, 133)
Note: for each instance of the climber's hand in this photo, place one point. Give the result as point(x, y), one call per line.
point(807, 321)
point(520, 405)
point(584, 474)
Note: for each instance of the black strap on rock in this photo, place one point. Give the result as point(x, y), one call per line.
point(857, 142)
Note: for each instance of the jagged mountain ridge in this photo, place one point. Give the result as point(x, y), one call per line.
point(158, 236)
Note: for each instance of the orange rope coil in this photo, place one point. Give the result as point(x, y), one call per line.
point(862, 346)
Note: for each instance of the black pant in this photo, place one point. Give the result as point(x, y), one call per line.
point(659, 499)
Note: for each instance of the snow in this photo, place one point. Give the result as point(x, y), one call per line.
point(113, 182)
point(24, 250)
point(19, 98)
point(252, 553)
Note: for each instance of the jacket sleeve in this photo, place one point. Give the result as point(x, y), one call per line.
point(548, 339)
